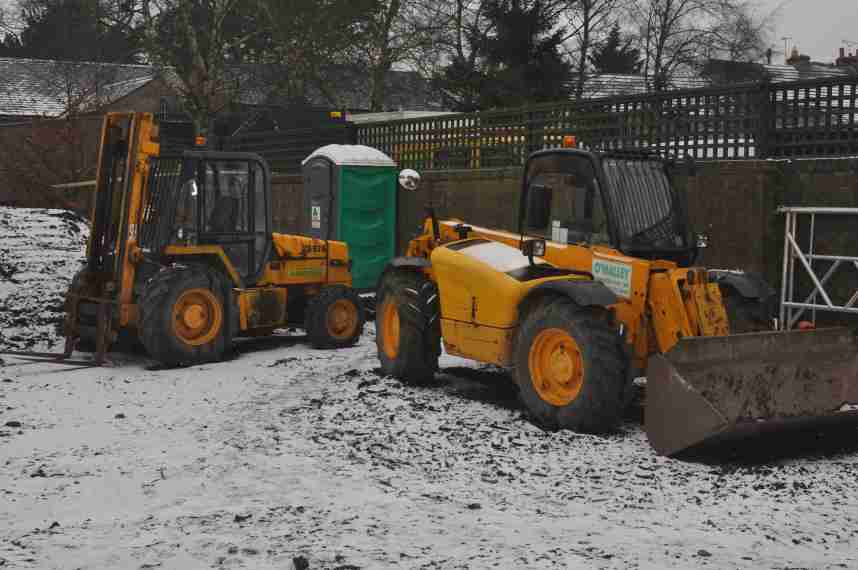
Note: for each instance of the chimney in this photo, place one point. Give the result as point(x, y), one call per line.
point(793, 56)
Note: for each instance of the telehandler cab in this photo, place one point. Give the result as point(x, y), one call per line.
point(598, 286)
point(181, 256)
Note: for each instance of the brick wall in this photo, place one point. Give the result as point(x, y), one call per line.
point(286, 202)
point(735, 203)
point(42, 152)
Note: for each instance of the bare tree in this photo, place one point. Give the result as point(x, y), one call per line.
point(407, 32)
point(309, 41)
point(590, 22)
point(189, 40)
point(738, 35)
point(679, 34)
point(57, 142)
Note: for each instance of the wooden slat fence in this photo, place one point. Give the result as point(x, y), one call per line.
point(809, 118)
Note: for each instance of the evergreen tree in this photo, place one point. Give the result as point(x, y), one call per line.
point(616, 56)
point(72, 30)
point(519, 62)
point(523, 58)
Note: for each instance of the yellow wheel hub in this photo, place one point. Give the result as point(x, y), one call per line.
point(342, 319)
point(556, 367)
point(197, 317)
point(390, 329)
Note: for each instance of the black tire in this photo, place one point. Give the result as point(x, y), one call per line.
point(414, 298)
point(745, 315)
point(322, 330)
point(599, 402)
point(157, 329)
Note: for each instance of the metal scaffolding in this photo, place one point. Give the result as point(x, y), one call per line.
point(811, 263)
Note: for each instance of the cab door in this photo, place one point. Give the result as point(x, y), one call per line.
point(234, 212)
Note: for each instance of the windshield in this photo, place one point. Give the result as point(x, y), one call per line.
point(563, 201)
point(646, 207)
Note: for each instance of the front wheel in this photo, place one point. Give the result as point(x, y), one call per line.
point(570, 368)
point(335, 318)
point(182, 316)
point(408, 326)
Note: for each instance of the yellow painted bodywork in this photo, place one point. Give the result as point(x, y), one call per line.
point(663, 303)
point(304, 260)
point(144, 136)
point(480, 305)
point(262, 307)
point(297, 260)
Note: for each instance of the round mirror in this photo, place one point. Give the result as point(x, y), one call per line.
point(409, 179)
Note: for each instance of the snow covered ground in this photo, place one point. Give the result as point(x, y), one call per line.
point(289, 457)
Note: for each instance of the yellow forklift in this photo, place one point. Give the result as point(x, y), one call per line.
point(182, 257)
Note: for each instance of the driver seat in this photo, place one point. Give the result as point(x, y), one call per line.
point(224, 215)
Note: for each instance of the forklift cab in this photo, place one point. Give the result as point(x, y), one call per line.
point(221, 199)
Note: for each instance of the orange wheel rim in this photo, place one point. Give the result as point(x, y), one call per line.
point(342, 319)
point(556, 367)
point(390, 329)
point(197, 317)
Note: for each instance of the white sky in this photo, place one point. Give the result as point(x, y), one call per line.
point(818, 27)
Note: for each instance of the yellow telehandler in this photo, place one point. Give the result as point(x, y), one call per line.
point(181, 257)
point(598, 287)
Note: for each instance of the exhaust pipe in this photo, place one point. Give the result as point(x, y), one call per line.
point(707, 389)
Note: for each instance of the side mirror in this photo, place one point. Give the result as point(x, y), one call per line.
point(409, 179)
point(533, 248)
point(538, 206)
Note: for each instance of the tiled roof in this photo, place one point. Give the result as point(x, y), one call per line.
point(349, 89)
point(604, 85)
point(33, 87)
point(36, 87)
point(779, 73)
point(726, 72)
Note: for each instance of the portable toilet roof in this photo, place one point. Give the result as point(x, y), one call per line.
point(351, 155)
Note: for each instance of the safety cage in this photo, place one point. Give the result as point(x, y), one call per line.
point(199, 199)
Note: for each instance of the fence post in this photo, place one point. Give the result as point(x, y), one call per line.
point(351, 133)
point(766, 120)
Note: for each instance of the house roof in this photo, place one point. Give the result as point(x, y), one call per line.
point(350, 89)
point(48, 88)
point(779, 73)
point(724, 71)
point(602, 85)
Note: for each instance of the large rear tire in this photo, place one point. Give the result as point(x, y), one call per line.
point(570, 367)
point(335, 318)
point(408, 326)
point(183, 319)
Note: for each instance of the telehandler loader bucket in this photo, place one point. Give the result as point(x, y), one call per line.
point(708, 389)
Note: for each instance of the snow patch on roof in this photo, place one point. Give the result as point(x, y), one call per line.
point(351, 155)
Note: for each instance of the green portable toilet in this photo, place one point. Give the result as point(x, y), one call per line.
point(350, 196)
